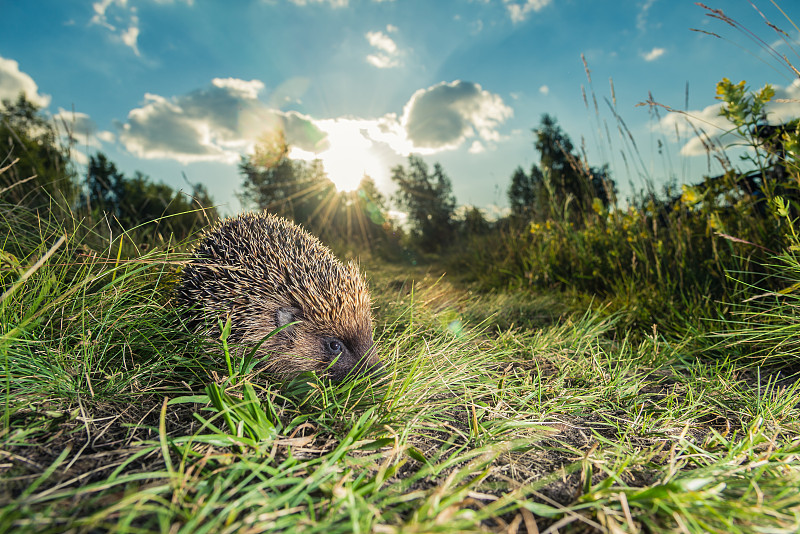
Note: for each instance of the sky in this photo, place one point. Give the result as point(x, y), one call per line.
point(176, 88)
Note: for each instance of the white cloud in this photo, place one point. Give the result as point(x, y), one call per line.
point(216, 123)
point(80, 133)
point(79, 127)
point(545, 90)
point(382, 42)
point(441, 117)
point(476, 147)
point(226, 119)
point(131, 36)
point(79, 157)
point(106, 136)
point(642, 16)
point(786, 41)
point(13, 82)
point(82, 129)
point(784, 107)
point(382, 61)
point(653, 54)
point(706, 120)
point(519, 11)
point(386, 53)
point(239, 88)
point(445, 115)
point(99, 17)
point(120, 19)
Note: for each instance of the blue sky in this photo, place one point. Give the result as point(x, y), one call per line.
point(172, 87)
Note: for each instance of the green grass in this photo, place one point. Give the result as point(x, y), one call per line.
point(501, 411)
point(635, 371)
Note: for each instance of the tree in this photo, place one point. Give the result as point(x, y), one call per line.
point(301, 191)
point(368, 209)
point(521, 194)
point(364, 215)
point(37, 168)
point(132, 202)
point(556, 162)
point(527, 195)
point(428, 199)
point(602, 186)
point(372, 202)
point(104, 185)
point(559, 181)
point(473, 222)
point(275, 182)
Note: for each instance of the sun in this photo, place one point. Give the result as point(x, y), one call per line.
point(350, 155)
point(345, 169)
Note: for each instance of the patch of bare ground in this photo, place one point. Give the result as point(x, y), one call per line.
point(101, 437)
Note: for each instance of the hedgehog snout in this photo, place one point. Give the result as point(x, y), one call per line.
point(361, 360)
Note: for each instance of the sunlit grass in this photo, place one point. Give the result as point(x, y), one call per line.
point(115, 419)
point(635, 390)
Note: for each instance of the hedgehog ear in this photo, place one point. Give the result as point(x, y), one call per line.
point(286, 315)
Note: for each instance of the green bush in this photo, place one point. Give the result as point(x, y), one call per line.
point(663, 257)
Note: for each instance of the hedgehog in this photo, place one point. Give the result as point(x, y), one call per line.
point(265, 272)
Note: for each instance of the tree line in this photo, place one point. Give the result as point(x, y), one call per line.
point(38, 174)
point(561, 186)
point(41, 174)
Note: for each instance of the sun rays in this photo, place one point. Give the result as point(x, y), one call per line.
point(349, 156)
point(331, 193)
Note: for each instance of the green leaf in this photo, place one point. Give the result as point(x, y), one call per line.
point(417, 455)
point(540, 509)
point(190, 399)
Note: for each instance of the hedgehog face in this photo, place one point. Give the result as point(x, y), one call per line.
point(331, 352)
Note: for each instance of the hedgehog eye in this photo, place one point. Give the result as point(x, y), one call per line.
point(335, 347)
